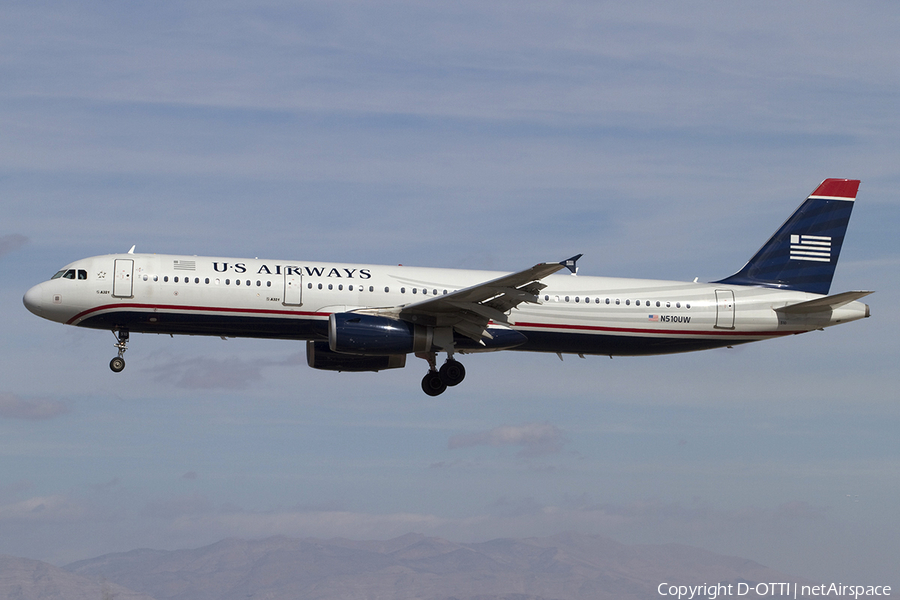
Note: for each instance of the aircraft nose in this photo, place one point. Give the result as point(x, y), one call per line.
point(33, 300)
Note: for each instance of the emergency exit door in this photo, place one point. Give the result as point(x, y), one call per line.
point(724, 309)
point(123, 284)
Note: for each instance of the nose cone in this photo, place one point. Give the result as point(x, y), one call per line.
point(34, 300)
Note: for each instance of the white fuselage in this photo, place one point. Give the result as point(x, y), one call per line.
point(293, 300)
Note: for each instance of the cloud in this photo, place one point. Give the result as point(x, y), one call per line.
point(13, 407)
point(11, 243)
point(534, 438)
point(58, 508)
point(188, 505)
point(230, 373)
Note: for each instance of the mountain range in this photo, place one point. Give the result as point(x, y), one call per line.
point(568, 566)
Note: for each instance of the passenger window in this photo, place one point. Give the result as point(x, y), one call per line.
point(341, 287)
point(350, 288)
point(678, 305)
point(196, 280)
point(258, 283)
point(237, 282)
point(248, 282)
point(415, 290)
point(657, 304)
point(145, 277)
point(628, 303)
point(403, 290)
point(330, 286)
point(320, 286)
point(268, 284)
point(227, 282)
point(166, 278)
point(309, 285)
point(387, 289)
point(371, 288)
point(82, 274)
point(607, 300)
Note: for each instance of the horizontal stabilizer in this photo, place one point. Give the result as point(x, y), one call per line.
point(821, 304)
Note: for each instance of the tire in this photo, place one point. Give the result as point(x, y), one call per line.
point(452, 372)
point(117, 364)
point(432, 384)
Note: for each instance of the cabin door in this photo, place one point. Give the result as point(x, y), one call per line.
point(123, 280)
point(293, 283)
point(724, 309)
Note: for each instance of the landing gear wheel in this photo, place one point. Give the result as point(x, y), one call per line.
point(432, 384)
point(118, 363)
point(452, 372)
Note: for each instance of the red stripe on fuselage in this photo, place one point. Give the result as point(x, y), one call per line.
point(520, 324)
point(169, 307)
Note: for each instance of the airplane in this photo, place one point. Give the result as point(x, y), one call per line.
point(361, 317)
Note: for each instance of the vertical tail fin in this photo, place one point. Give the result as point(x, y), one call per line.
point(803, 253)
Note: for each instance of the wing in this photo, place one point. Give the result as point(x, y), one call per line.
point(469, 310)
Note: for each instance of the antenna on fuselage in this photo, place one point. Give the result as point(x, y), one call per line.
point(132, 249)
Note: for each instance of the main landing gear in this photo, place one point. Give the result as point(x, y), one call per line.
point(451, 373)
point(118, 363)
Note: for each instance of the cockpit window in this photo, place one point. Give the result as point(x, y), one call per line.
point(71, 274)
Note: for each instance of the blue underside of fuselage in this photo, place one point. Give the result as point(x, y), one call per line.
point(317, 329)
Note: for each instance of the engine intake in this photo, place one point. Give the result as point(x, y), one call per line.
point(352, 333)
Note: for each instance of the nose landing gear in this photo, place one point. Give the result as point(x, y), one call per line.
point(451, 373)
point(118, 362)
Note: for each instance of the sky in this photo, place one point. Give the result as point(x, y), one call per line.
point(661, 140)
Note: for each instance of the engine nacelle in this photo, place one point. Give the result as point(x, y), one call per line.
point(319, 356)
point(353, 333)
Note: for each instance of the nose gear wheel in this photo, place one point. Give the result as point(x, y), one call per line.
point(118, 362)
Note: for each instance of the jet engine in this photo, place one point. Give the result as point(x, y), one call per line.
point(319, 356)
point(352, 333)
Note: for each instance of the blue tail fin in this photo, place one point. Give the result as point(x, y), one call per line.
point(803, 253)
